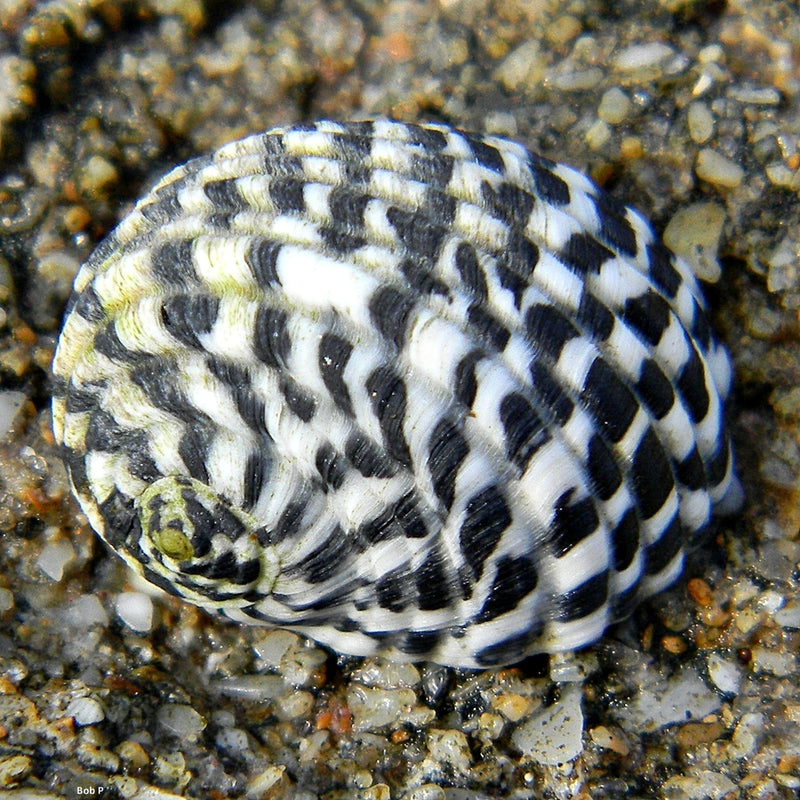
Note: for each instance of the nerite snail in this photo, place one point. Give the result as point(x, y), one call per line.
point(400, 388)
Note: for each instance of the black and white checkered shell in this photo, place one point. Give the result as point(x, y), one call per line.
point(400, 388)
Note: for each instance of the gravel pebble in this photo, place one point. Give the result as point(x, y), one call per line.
point(614, 106)
point(10, 404)
point(610, 739)
point(17, 93)
point(775, 663)
point(663, 702)
point(782, 264)
point(13, 770)
point(181, 721)
point(374, 709)
point(55, 558)
point(6, 600)
point(429, 791)
point(789, 616)
point(553, 735)
point(271, 783)
point(84, 612)
point(749, 729)
point(700, 121)
point(85, 711)
point(525, 65)
point(642, 56)
point(275, 645)
point(725, 673)
point(297, 705)
point(694, 232)
point(135, 610)
point(387, 674)
point(715, 168)
point(255, 688)
point(705, 785)
point(450, 750)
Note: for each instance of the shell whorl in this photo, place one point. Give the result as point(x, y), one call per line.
point(404, 389)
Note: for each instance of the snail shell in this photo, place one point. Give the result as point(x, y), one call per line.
point(400, 388)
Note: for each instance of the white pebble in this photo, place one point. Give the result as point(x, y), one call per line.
point(766, 96)
point(311, 746)
point(274, 645)
point(749, 729)
point(14, 770)
point(136, 611)
point(303, 666)
point(234, 740)
point(789, 616)
point(706, 80)
point(490, 726)
point(256, 688)
point(428, 791)
point(706, 785)
point(770, 602)
point(450, 748)
point(181, 721)
point(295, 705)
point(725, 673)
point(575, 80)
point(55, 557)
point(267, 783)
point(773, 663)
point(660, 702)
point(572, 668)
point(640, 56)
point(224, 719)
point(500, 123)
point(711, 53)
point(387, 674)
point(85, 711)
point(85, 612)
point(554, 735)
point(782, 175)
point(377, 708)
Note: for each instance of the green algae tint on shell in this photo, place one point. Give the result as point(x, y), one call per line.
point(402, 389)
